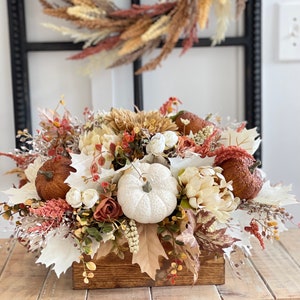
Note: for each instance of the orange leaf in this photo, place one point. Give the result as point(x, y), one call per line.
point(150, 248)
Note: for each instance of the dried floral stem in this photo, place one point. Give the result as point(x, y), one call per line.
point(141, 26)
point(137, 28)
point(203, 8)
point(106, 44)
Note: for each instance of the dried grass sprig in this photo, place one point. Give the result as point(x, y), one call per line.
point(129, 58)
point(137, 29)
point(84, 3)
point(180, 16)
point(86, 12)
point(106, 45)
point(60, 13)
point(89, 38)
point(204, 9)
point(142, 10)
point(222, 11)
point(240, 7)
point(134, 31)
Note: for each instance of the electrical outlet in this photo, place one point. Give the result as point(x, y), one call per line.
point(289, 31)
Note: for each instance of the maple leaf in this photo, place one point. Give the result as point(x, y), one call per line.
point(187, 236)
point(150, 248)
point(247, 139)
point(192, 261)
point(208, 239)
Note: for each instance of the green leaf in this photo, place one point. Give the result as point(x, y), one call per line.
point(173, 228)
point(107, 228)
point(185, 203)
point(160, 229)
point(166, 237)
point(87, 241)
point(180, 243)
point(94, 232)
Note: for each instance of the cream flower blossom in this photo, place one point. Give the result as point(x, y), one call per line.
point(104, 136)
point(156, 146)
point(76, 198)
point(89, 197)
point(171, 138)
point(207, 188)
point(73, 197)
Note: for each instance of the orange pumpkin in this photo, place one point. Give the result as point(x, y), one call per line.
point(246, 179)
point(50, 179)
point(195, 123)
point(240, 167)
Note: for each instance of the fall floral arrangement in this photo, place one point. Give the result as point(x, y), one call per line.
point(112, 36)
point(123, 181)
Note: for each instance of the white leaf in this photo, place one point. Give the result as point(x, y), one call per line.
point(17, 196)
point(194, 160)
point(275, 195)
point(246, 139)
point(59, 251)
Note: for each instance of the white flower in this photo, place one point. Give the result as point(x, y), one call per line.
point(185, 121)
point(171, 138)
point(156, 146)
point(89, 197)
point(188, 174)
point(206, 187)
point(73, 197)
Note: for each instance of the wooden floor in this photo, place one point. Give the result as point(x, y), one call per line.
point(273, 273)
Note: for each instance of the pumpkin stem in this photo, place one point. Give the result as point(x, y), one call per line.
point(147, 187)
point(254, 166)
point(47, 174)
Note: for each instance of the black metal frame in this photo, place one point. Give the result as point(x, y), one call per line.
point(250, 41)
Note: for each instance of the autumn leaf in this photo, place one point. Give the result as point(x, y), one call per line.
point(192, 261)
point(150, 248)
point(187, 237)
point(209, 239)
point(247, 139)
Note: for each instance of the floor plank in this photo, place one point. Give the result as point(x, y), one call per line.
point(280, 272)
point(197, 292)
point(61, 288)
point(291, 242)
point(6, 247)
point(248, 285)
point(142, 293)
point(22, 278)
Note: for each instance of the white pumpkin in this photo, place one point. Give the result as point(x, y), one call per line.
point(147, 193)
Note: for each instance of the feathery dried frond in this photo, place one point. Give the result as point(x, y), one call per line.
point(141, 27)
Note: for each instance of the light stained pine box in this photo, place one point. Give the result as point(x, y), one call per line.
point(113, 272)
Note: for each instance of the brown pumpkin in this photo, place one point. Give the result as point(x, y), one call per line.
point(50, 179)
point(195, 122)
point(240, 167)
point(246, 179)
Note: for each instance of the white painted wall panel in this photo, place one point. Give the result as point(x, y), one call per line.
point(206, 80)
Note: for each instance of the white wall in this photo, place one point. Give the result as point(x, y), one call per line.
point(7, 131)
point(281, 106)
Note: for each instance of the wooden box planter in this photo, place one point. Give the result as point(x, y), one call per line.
point(113, 272)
